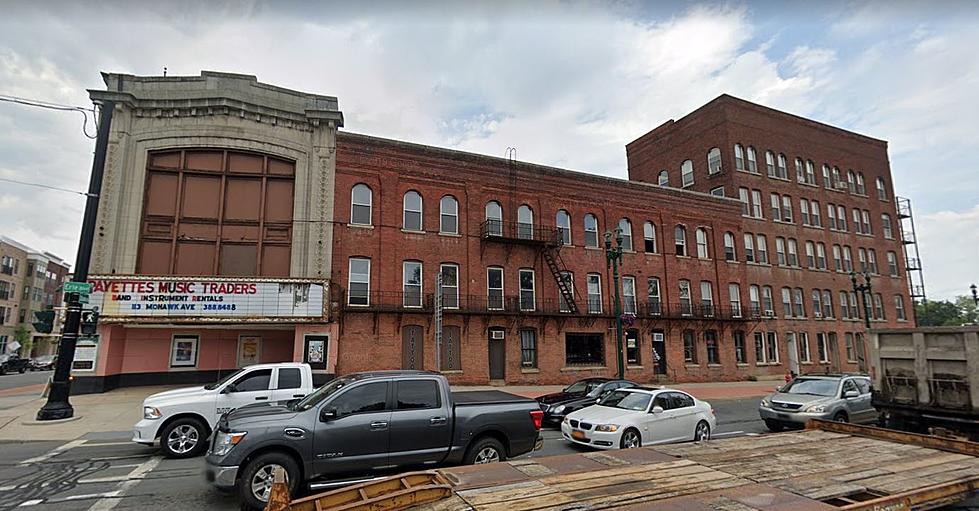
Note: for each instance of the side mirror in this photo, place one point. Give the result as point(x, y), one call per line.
point(850, 393)
point(328, 414)
point(657, 409)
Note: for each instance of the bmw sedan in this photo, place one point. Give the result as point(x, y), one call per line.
point(580, 394)
point(638, 416)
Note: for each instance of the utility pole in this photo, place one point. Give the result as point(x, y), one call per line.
point(613, 256)
point(57, 406)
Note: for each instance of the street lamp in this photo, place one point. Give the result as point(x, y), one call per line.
point(975, 294)
point(613, 256)
point(864, 290)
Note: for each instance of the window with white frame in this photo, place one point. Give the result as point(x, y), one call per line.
point(653, 296)
point(494, 288)
point(847, 259)
point(821, 256)
point(772, 344)
point(625, 226)
point(563, 223)
point(756, 207)
point(528, 297)
point(686, 173)
point(879, 307)
point(780, 251)
point(802, 339)
point(822, 349)
point(892, 264)
point(361, 203)
point(855, 312)
point(594, 293)
point(817, 303)
point(743, 196)
point(767, 301)
point(717, 191)
point(664, 178)
point(851, 181)
point(857, 226)
point(841, 218)
point(899, 308)
point(450, 285)
point(494, 219)
point(787, 302)
point(831, 216)
point(872, 261)
point(752, 160)
point(413, 219)
point(787, 209)
point(800, 307)
point(525, 222)
point(738, 157)
point(591, 230)
point(649, 238)
point(754, 299)
point(862, 256)
point(861, 187)
point(629, 295)
point(740, 350)
point(881, 189)
point(800, 172)
point(810, 255)
point(761, 249)
point(730, 253)
point(749, 247)
point(810, 173)
point(359, 281)
point(734, 293)
point(804, 211)
point(827, 303)
point(793, 252)
point(885, 222)
point(782, 170)
point(684, 295)
point(714, 161)
point(848, 345)
point(844, 305)
point(776, 201)
point(770, 163)
point(827, 180)
point(689, 347)
point(680, 240)
point(449, 215)
point(867, 229)
point(759, 348)
point(815, 219)
point(837, 180)
point(701, 235)
point(706, 298)
point(412, 283)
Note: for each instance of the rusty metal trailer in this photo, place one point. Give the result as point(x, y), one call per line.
point(828, 466)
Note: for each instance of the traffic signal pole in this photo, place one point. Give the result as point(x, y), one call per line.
point(58, 406)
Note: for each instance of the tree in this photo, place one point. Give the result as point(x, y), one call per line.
point(970, 313)
point(938, 313)
point(23, 336)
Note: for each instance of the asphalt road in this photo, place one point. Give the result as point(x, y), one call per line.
point(14, 380)
point(104, 471)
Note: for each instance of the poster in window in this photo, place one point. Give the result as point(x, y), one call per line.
point(249, 350)
point(315, 351)
point(184, 351)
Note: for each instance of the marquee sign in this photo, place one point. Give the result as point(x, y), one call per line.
point(206, 298)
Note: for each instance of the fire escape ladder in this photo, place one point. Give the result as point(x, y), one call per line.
point(552, 256)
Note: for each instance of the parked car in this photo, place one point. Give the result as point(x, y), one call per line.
point(366, 424)
point(837, 397)
point(183, 419)
point(638, 416)
point(576, 396)
point(43, 363)
point(12, 362)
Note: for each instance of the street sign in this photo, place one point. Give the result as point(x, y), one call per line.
point(78, 287)
point(83, 298)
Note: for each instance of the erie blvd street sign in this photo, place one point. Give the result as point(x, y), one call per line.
point(78, 287)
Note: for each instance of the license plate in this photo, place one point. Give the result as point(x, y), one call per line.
point(578, 435)
point(782, 416)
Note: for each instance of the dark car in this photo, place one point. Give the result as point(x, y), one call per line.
point(43, 363)
point(12, 363)
point(578, 395)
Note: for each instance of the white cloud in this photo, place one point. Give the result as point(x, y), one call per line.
point(949, 244)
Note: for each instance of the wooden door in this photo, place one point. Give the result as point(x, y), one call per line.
point(497, 359)
point(412, 347)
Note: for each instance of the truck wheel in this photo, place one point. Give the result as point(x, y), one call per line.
point(183, 438)
point(255, 481)
point(774, 426)
point(485, 450)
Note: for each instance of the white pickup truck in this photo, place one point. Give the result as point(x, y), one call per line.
point(183, 418)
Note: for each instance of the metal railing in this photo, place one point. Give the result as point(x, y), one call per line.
point(520, 233)
point(9, 270)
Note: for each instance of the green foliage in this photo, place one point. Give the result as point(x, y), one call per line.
point(947, 313)
point(23, 336)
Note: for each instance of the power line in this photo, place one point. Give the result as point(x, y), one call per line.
point(55, 106)
point(39, 185)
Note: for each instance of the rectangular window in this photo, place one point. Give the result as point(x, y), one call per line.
point(885, 222)
point(740, 353)
point(759, 348)
point(412, 286)
point(359, 281)
point(899, 308)
point(810, 255)
point(804, 211)
point(594, 293)
point(827, 304)
point(767, 301)
point(417, 395)
point(713, 354)
point(685, 297)
point(734, 292)
point(762, 254)
point(872, 261)
point(780, 251)
point(786, 302)
point(800, 172)
point(686, 173)
point(770, 163)
point(810, 173)
point(804, 355)
point(749, 248)
point(857, 226)
point(844, 306)
point(653, 295)
point(892, 264)
point(817, 221)
point(772, 345)
point(822, 348)
point(717, 192)
point(817, 303)
point(879, 307)
point(528, 298)
point(528, 348)
point(851, 352)
point(752, 160)
point(689, 347)
point(450, 286)
point(800, 309)
point(629, 295)
point(756, 204)
point(776, 207)
point(738, 157)
point(827, 180)
point(584, 349)
point(706, 299)
point(821, 256)
point(866, 223)
point(289, 378)
point(847, 259)
point(754, 300)
point(787, 209)
point(831, 216)
point(783, 172)
point(745, 202)
point(841, 218)
point(494, 288)
point(793, 253)
point(183, 351)
point(632, 348)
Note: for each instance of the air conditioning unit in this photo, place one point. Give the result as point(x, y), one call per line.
point(769, 314)
point(841, 186)
point(497, 334)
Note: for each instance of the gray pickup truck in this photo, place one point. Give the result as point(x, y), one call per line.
point(366, 425)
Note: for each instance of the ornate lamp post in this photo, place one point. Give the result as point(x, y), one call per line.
point(613, 256)
point(864, 290)
point(975, 294)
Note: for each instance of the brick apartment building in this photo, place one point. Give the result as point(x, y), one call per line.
point(238, 225)
point(30, 281)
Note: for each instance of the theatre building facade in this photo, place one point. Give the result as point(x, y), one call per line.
point(212, 243)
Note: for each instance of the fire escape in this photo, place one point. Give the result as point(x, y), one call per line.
point(916, 278)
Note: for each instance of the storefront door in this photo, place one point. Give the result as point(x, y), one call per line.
point(249, 350)
point(659, 353)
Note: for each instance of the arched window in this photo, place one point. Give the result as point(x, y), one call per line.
point(770, 163)
point(782, 170)
point(563, 222)
point(494, 219)
point(525, 222)
point(738, 157)
point(730, 254)
point(591, 230)
point(752, 160)
point(881, 190)
point(361, 203)
point(686, 173)
point(625, 226)
point(701, 234)
point(851, 181)
point(861, 184)
point(664, 178)
point(680, 240)
point(413, 211)
point(449, 215)
point(649, 237)
point(714, 160)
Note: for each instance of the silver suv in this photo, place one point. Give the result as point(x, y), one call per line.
point(837, 397)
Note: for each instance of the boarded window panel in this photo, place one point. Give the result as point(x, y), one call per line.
point(154, 258)
point(194, 259)
point(238, 260)
point(236, 233)
point(200, 197)
point(204, 160)
point(198, 232)
point(451, 352)
point(275, 260)
point(249, 163)
point(161, 194)
point(242, 199)
point(281, 167)
point(278, 200)
point(169, 160)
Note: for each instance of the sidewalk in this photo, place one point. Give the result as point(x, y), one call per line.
point(705, 391)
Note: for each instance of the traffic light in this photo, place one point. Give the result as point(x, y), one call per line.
point(90, 322)
point(44, 323)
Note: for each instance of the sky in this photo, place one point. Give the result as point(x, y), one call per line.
point(566, 83)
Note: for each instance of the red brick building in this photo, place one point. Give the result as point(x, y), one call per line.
point(718, 289)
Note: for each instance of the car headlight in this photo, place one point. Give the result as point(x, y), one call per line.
point(765, 403)
point(816, 408)
point(607, 428)
point(151, 412)
point(223, 442)
point(558, 409)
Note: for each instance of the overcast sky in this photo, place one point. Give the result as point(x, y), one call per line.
point(566, 83)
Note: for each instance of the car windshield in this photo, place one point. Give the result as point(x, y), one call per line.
point(583, 386)
point(212, 386)
point(814, 387)
point(636, 401)
point(319, 395)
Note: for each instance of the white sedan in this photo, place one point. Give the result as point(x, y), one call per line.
point(637, 416)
